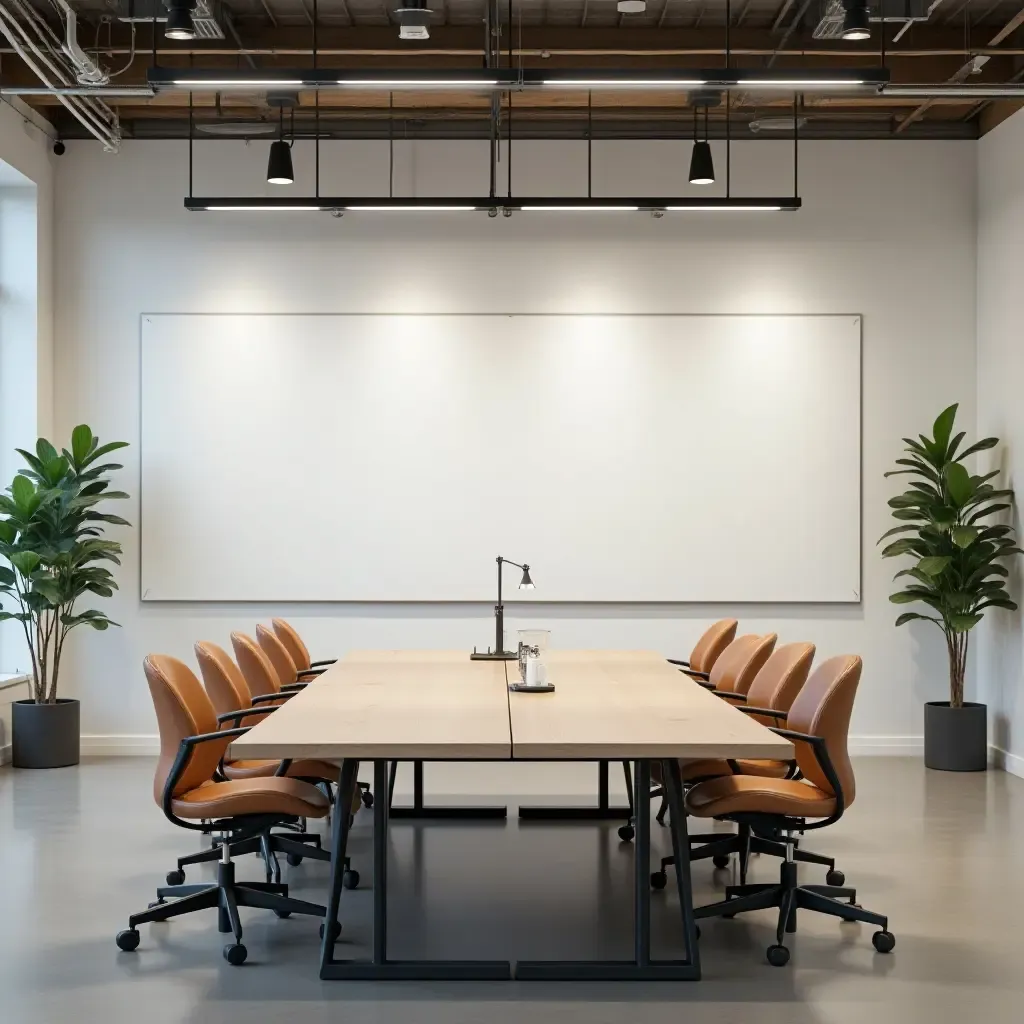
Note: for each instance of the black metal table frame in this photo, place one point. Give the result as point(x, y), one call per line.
point(641, 968)
point(604, 811)
point(420, 809)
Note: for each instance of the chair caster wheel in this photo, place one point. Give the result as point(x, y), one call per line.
point(658, 879)
point(720, 860)
point(294, 859)
point(883, 941)
point(778, 956)
point(176, 877)
point(350, 879)
point(367, 798)
point(626, 833)
point(336, 929)
point(283, 913)
point(235, 954)
point(157, 903)
point(835, 877)
point(128, 940)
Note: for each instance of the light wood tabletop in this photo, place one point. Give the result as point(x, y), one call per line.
point(629, 704)
point(398, 705)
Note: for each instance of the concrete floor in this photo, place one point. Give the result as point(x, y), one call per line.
point(942, 854)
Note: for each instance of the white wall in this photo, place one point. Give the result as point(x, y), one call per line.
point(26, 319)
point(888, 230)
point(1001, 409)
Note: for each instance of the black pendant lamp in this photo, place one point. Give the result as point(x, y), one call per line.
point(702, 167)
point(856, 21)
point(279, 166)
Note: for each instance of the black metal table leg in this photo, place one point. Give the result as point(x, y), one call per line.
point(339, 842)
point(419, 809)
point(380, 968)
point(641, 967)
point(602, 812)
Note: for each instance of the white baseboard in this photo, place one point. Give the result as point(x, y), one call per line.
point(5, 754)
point(120, 745)
point(886, 746)
point(1012, 763)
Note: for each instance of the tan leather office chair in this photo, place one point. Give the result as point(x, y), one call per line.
point(243, 810)
point(712, 643)
point(229, 694)
point(733, 673)
point(259, 673)
point(818, 724)
point(289, 636)
point(284, 666)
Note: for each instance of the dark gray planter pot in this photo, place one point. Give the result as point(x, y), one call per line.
point(45, 735)
point(955, 739)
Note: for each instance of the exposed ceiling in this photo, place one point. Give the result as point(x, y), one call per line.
point(971, 41)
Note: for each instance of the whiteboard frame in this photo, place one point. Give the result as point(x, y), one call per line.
point(851, 602)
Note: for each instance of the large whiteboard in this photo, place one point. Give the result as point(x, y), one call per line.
point(391, 458)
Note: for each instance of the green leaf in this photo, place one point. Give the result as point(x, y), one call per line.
point(943, 427)
point(964, 536)
point(26, 562)
point(81, 443)
point(23, 491)
point(980, 446)
point(7, 532)
point(906, 617)
point(904, 597)
point(895, 530)
point(955, 443)
point(899, 547)
point(963, 622)
point(958, 483)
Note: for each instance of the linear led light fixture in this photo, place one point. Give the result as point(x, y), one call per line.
point(512, 79)
point(556, 204)
point(943, 90)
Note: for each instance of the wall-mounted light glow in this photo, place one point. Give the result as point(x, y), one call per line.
point(716, 209)
point(237, 83)
point(258, 209)
point(799, 83)
point(410, 209)
point(418, 83)
point(577, 209)
point(624, 83)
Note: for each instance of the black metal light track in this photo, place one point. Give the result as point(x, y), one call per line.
point(445, 204)
point(870, 79)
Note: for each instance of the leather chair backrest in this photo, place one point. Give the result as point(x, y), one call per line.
point(287, 634)
point(257, 669)
point(278, 655)
point(712, 643)
point(823, 708)
point(741, 661)
point(781, 678)
point(224, 683)
point(182, 709)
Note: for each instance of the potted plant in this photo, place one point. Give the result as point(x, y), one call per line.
point(51, 534)
point(958, 573)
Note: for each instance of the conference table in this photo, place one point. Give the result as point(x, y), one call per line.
point(384, 706)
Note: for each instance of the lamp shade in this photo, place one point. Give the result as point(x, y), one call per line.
point(702, 167)
point(526, 583)
point(855, 23)
point(279, 166)
point(179, 21)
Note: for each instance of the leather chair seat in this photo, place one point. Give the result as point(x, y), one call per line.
point(251, 796)
point(307, 768)
point(739, 794)
point(711, 768)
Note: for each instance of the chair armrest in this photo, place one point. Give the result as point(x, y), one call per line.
point(237, 716)
point(292, 688)
point(729, 695)
point(828, 769)
point(313, 672)
point(694, 674)
point(769, 712)
point(678, 661)
point(264, 697)
point(323, 661)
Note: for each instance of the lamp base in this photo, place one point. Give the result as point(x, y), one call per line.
point(489, 655)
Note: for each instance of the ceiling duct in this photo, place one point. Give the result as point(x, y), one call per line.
point(901, 12)
point(206, 17)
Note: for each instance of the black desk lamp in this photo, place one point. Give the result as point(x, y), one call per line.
point(499, 653)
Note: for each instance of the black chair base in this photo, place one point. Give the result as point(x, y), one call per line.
point(225, 896)
point(296, 846)
point(718, 847)
point(789, 897)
